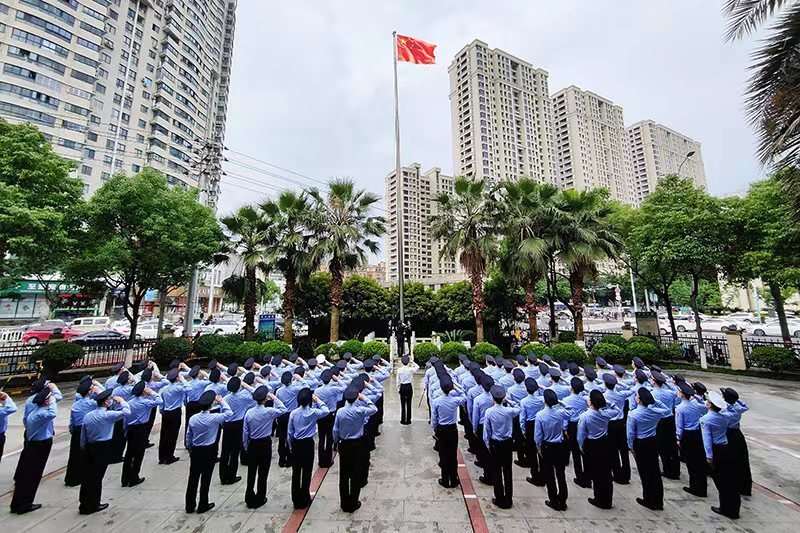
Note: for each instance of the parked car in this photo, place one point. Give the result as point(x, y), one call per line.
point(90, 323)
point(221, 327)
point(100, 337)
point(742, 316)
point(773, 327)
point(44, 325)
point(42, 333)
point(146, 329)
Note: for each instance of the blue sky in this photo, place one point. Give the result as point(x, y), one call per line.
point(312, 81)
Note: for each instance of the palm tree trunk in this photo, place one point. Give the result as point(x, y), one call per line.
point(337, 281)
point(478, 305)
point(288, 307)
point(576, 284)
point(249, 303)
point(777, 298)
point(530, 309)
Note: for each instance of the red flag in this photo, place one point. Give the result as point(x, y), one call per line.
point(415, 51)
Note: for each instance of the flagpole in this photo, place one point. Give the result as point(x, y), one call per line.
point(399, 180)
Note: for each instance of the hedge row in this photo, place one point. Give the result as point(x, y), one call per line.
point(616, 350)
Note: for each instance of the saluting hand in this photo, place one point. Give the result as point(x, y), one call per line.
point(3, 396)
point(218, 399)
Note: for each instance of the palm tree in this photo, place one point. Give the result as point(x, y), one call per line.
point(528, 208)
point(291, 215)
point(251, 235)
point(773, 101)
point(465, 224)
point(344, 234)
point(587, 238)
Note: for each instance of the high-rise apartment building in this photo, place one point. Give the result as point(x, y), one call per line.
point(501, 116)
point(117, 85)
point(656, 151)
point(421, 252)
point(591, 143)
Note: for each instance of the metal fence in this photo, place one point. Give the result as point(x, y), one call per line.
point(776, 342)
point(716, 347)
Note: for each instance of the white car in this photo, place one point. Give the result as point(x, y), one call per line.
point(221, 327)
point(91, 323)
point(742, 316)
point(773, 327)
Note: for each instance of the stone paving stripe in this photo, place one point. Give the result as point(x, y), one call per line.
point(298, 515)
point(777, 496)
point(773, 447)
point(476, 516)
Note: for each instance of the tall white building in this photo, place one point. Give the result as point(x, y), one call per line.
point(591, 143)
point(501, 116)
point(421, 252)
point(117, 85)
point(657, 151)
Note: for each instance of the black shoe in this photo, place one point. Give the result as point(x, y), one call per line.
point(536, 482)
point(690, 491)
point(523, 464)
point(201, 510)
point(486, 481)
point(622, 481)
point(478, 464)
point(136, 482)
point(641, 502)
point(72, 484)
point(555, 506)
point(172, 460)
point(596, 504)
point(32, 507)
point(719, 512)
point(101, 507)
point(583, 484)
point(149, 445)
point(444, 483)
point(671, 476)
point(501, 505)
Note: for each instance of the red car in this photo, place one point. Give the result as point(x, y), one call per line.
point(39, 334)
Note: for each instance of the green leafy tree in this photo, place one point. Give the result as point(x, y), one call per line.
point(234, 290)
point(365, 306)
point(504, 299)
point(420, 307)
point(138, 232)
point(708, 295)
point(453, 306)
point(251, 236)
point(344, 233)
point(313, 304)
point(465, 224)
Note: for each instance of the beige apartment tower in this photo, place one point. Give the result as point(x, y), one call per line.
point(657, 151)
point(501, 116)
point(591, 143)
point(117, 85)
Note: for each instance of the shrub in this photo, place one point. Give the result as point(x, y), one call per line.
point(451, 350)
point(205, 344)
point(534, 348)
point(568, 351)
point(775, 358)
point(247, 350)
point(328, 349)
point(647, 351)
point(379, 348)
point(165, 350)
point(57, 356)
point(616, 340)
point(226, 351)
point(424, 351)
point(482, 349)
point(566, 336)
point(642, 338)
point(276, 348)
point(610, 352)
point(354, 346)
point(670, 351)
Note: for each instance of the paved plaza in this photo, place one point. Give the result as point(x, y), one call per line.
point(403, 495)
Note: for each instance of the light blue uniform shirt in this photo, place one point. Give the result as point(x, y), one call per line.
point(7, 409)
point(240, 402)
point(204, 426)
point(687, 416)
point(550, 425)
point(30, 406)
point(529, 406)
point(174, 396)
point(594, 424)
point(499, 423)
point(195, 389)
point(140, 407)
point(466, 380)
point(617, 397)
point(258, 422)
point(516, 392)
point(39, 424)
point(532, 371)
point(124, 391)
point(80, 408)
point(444, 411)
point(643, 421)
point(288, 394)
point(479, 407)
point(220, 389)
point(506, 380)
point(303, 421)
point(635, 388)
point(98, 425)
point(714, 428)
point(667, 397)
point(472, 393)
point(331, 393)
point(577, 405)
point(734, 412)
point(561, 389)
point(350, 419)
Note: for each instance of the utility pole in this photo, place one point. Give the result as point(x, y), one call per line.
point(206, 166)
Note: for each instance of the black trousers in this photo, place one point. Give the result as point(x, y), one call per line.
point(645, 451)
point(406, 395)
point(533, 456)
point(379, 414)
point(554, 462)
point(325, 444)
point(668, 448)
point(168, 438)
point(192, 408)
point(448, 447)
point(484, 456)
point(201, 468)
point(502, 452)
point(724, 473)
point(75, 462)
point(575, 450)
point(134, 455)
point(231, 447)
point(302, 466)
point(597, 467)
point(519, 442)
point(97, 456)
point(29, 472)
point(694, 456)
point(621, 462)
point(259, 456)
point(118, 439)
point(284, 454)
point(351, 466)
point(151, 421)
point(2, 444)
point(741, 458)
point(463, 419)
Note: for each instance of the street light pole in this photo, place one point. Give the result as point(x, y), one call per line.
point(685, 159)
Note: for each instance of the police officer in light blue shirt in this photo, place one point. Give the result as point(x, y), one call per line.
point(330, 392)
point(736, 441)
point(714, 428)
point(348, 431)
point(291, 385)
point(479, 406)
point(143, 400)
point(550, 424)
point(201, 438)
point(690, 441)
point(7, 408)
point(665, 432)
point(257, 442)
point(576, 403)
point(173, 396)
point(240, 399)
point(594, 443)
point(444, 418)
point(641, 433)
point(96, 440)
point(301, 430)
point(616, 394)
point(83, 404)
point(497, 436)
